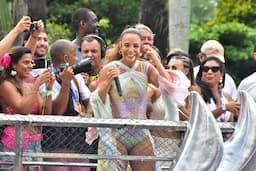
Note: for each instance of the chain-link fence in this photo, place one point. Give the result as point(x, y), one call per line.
point(137, 143)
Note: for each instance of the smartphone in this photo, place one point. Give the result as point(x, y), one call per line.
point(41, 63)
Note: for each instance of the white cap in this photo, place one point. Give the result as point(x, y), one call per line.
point(213, 48)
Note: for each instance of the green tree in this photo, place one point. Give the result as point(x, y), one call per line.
point(5, 18)
point(113, 15)
point(236, 10)
point(119, 13)
point(154, 13)
point(60, 11)
point(202, 11)
point(20, 8)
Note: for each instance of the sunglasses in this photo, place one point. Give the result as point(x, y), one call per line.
point(214, 69)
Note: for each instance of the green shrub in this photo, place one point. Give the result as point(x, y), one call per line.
point(57, 31)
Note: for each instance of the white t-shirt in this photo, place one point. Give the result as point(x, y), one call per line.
point(229, 87)
point(83, 89)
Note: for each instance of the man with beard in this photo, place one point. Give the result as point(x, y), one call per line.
point(40, 52)
point(84, 22)
point(41, 45)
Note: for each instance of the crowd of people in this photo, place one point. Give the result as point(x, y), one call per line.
point(127, 80)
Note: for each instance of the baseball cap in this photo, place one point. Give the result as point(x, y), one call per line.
point(213, 48)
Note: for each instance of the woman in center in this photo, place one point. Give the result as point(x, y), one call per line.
point(134, 76)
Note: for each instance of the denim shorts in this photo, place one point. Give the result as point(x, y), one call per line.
point(33, 147)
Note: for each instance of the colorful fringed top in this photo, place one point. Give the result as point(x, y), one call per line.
point(132, 104)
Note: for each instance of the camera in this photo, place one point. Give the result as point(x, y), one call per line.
point(41, 63)
point(82, 66)
point(34, 26)
point(145, 57)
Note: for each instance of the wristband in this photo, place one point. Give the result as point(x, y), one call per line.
point(51, 93)
point(47, 93)
point(48, 89)
point(223, 107)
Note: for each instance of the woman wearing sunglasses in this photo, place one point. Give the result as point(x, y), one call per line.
point(210, 79)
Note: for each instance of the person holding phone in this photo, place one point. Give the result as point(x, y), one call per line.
point(20, 97)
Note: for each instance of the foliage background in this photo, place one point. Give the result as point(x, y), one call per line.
point(232, 22)
point(113, 15)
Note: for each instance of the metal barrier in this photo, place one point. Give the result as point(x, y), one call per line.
point(80, 150)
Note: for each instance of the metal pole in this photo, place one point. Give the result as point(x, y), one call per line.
point(18, 146)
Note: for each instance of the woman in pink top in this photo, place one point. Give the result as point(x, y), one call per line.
point(20, 95)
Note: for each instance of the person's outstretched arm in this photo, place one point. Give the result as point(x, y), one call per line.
point(7, 41)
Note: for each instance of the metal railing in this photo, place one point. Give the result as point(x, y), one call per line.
point(20, 121)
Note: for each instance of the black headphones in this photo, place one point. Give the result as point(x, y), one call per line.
point(103, 44)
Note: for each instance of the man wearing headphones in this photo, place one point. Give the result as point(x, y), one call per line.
point(94, 48)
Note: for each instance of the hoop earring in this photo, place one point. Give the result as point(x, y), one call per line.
point(120, 53)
